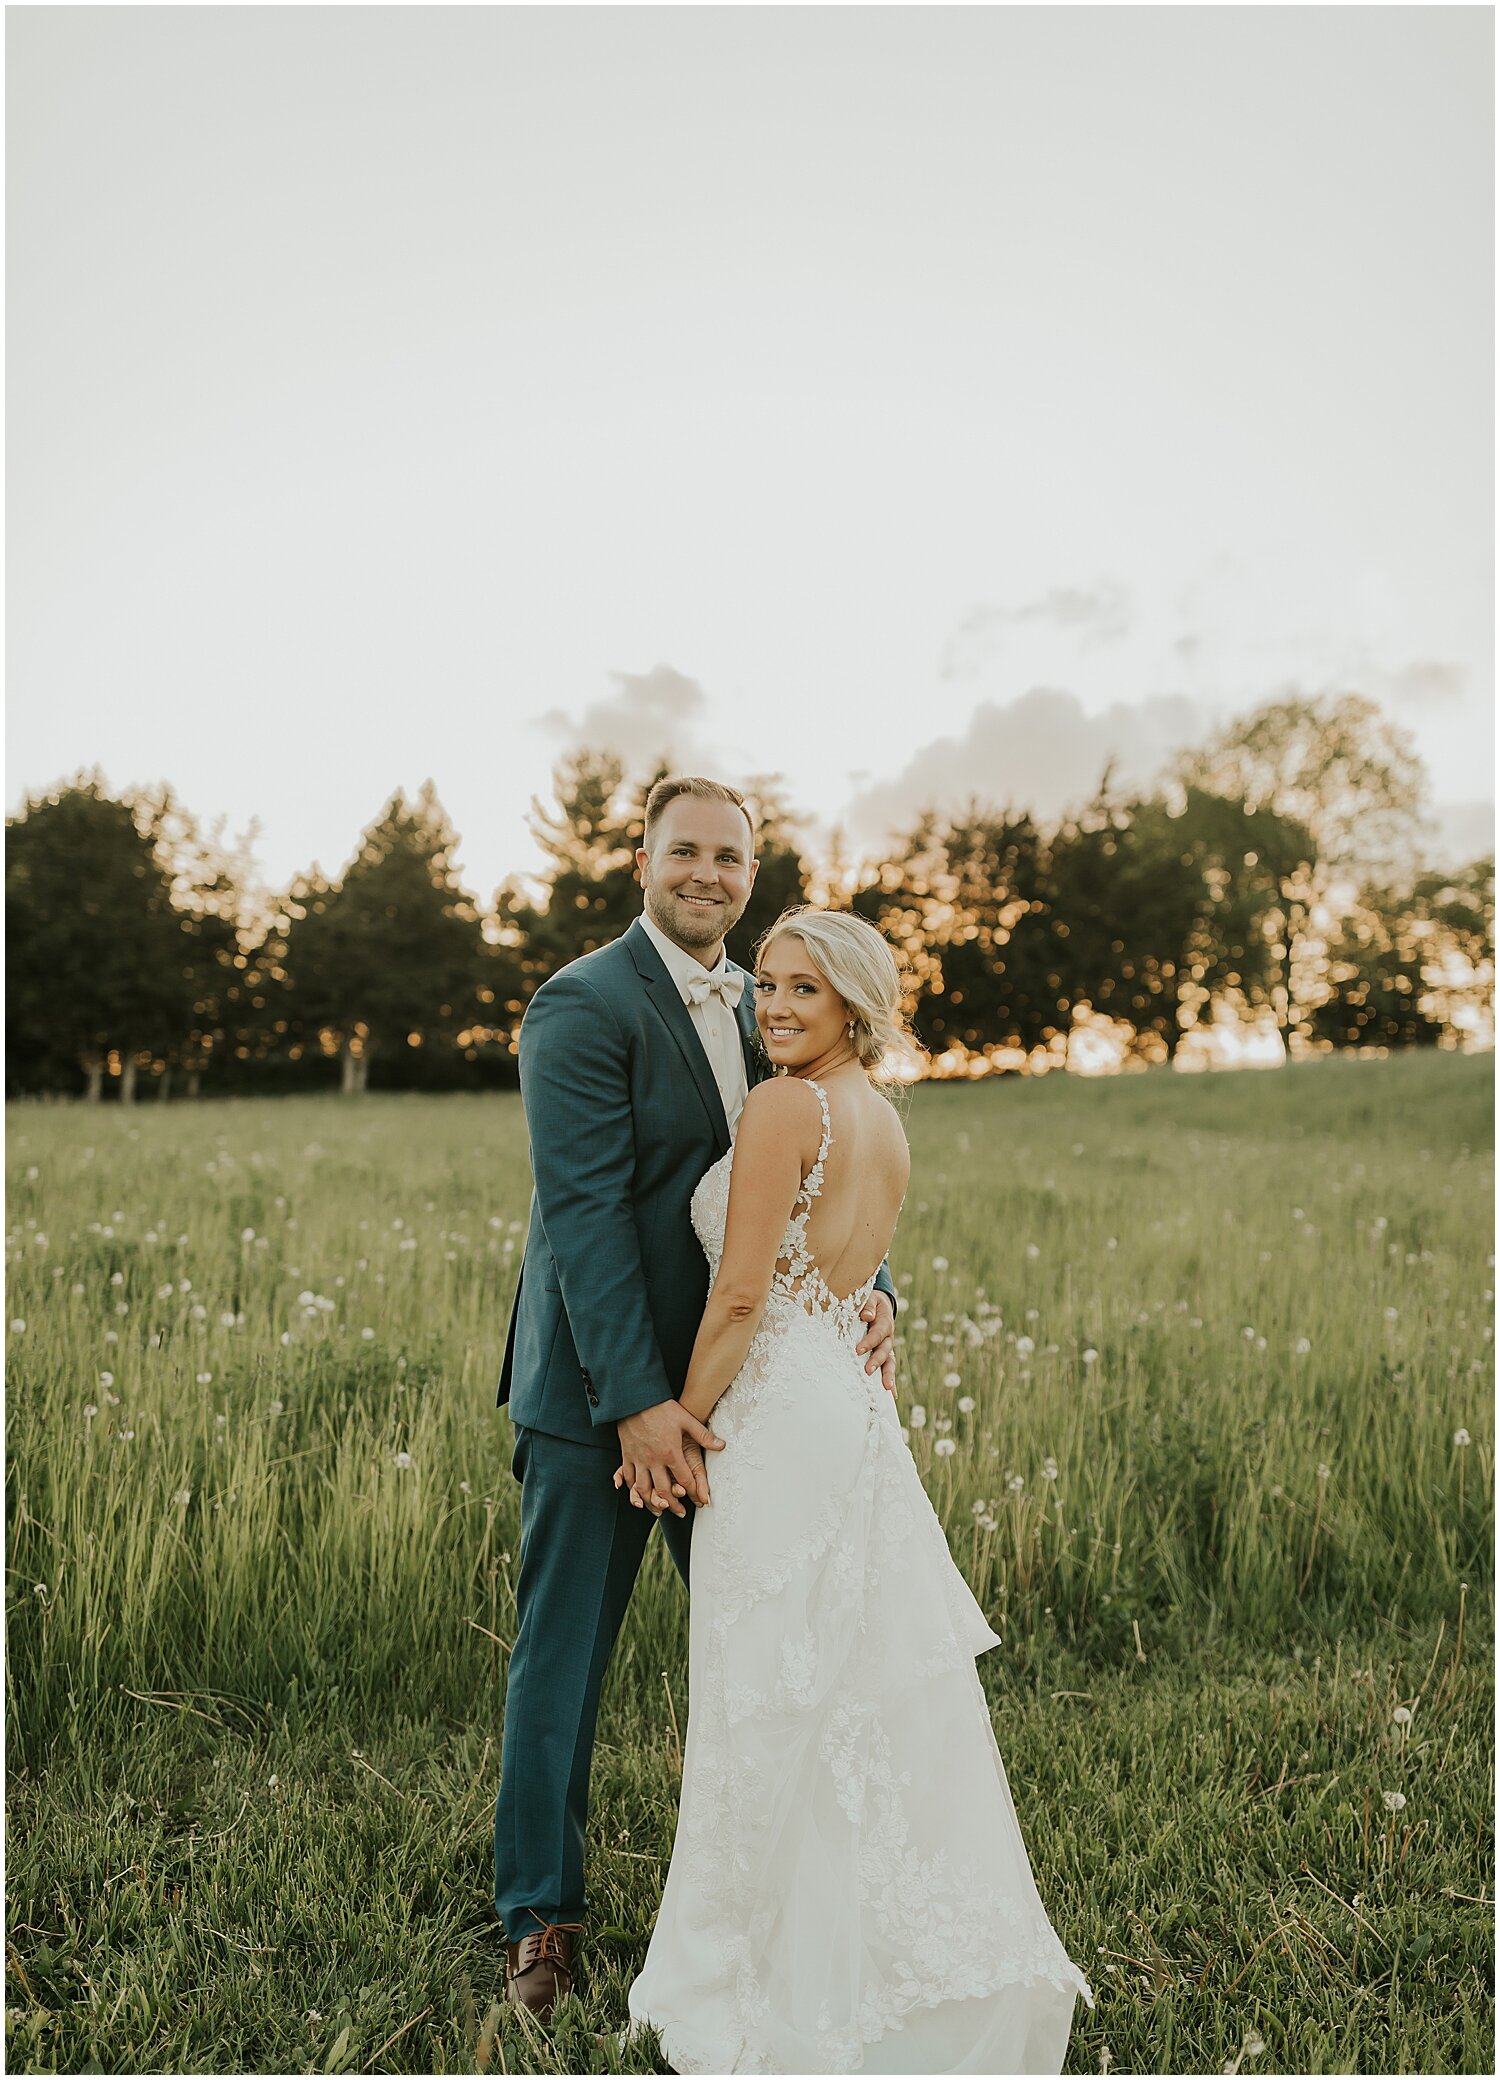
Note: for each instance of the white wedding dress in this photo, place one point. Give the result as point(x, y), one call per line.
point(849, 1890)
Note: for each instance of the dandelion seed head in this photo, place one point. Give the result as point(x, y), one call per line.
point(1395, 1801)
point(1461, 1438)
point(1402, 1715)
point(965, 1404)
point(918, 1417)
point(945, 1447)
point(952, 1379)
point(402, 1459)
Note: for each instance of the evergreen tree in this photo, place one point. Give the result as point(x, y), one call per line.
point(781, 879)
point(97, 961)
point(391, 956)
point(210, 892)
point(590, 892)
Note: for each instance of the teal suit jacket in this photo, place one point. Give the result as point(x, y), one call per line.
point(624, 1117)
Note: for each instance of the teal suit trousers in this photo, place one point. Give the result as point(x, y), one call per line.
point(581, 1548)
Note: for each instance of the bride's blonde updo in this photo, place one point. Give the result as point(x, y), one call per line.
point(858, 963)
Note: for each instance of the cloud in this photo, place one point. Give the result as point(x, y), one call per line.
point(650, 715)
point(1092, 614)
point(1426, 682)
point(1042, 751)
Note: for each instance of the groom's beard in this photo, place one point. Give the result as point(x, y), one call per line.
point(694, 929)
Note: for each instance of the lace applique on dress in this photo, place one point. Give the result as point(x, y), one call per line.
point(848, 1860)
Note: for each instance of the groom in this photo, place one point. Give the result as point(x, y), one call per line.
point(635, 1062)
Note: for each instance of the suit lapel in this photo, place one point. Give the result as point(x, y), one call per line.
point(663, 997)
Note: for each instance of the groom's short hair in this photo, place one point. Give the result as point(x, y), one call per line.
point(706, 791)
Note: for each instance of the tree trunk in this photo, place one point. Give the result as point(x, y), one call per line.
point(354, 1071)
point(93, 1067)
point(127, 1078)
point(193, 1076)
point(164, 1085)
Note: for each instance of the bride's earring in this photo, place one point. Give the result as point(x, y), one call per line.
point(850, 1029)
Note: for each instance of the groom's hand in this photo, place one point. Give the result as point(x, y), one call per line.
point(655, 1461)
point(879, 1339)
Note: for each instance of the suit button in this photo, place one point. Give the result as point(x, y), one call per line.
point(593, 1397)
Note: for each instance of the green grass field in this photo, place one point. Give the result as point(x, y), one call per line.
point(1213, 1356)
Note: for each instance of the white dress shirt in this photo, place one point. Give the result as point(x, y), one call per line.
point(713, 1020)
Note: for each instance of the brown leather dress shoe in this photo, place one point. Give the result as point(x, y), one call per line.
point(539, 1969)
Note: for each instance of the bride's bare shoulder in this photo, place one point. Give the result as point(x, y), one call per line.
point(781, 1104)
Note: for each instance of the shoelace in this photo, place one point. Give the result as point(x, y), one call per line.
point(545, 1944)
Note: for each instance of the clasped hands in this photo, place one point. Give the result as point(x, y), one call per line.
point(662, 1448)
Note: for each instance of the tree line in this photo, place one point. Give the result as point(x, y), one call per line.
point(1271, 870)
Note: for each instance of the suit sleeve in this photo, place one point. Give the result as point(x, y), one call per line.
point(884, 1283)
point(575, 1088)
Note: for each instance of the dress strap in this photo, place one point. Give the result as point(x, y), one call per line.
point(812, 1184)
point(827, 1141)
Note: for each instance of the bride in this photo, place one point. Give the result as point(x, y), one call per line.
point(849, 1890)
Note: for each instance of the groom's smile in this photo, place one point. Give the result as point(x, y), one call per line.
point(697, 873)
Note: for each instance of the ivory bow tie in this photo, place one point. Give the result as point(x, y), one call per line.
point(728, 988)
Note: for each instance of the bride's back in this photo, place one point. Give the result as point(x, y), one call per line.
point(853, 1218)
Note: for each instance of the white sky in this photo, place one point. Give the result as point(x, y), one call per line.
point(912, 402)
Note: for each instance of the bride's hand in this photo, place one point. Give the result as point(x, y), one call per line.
point(642, 1494)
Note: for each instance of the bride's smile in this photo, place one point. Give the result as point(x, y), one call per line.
point(803, 1021)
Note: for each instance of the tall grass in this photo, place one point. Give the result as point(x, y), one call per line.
point(1197, 1371)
